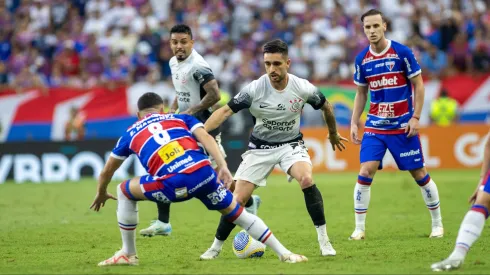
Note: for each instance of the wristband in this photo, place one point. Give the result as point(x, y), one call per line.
point(416, 117)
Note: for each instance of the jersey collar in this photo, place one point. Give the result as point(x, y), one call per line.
point(383, 51)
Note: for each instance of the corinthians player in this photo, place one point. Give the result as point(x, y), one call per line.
point(276, 100)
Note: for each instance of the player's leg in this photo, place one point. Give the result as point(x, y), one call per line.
point(242, 193)
point(128, 193)
point(372, 152)
point(255, 167)
point(470, 230)
point(408, 155)
point(302, 172)
point(161, 226)
point(216, 197)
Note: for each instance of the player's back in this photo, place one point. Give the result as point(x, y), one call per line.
point(164, 144)
point(387, 75)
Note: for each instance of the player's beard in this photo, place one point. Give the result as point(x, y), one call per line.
point(276, 78)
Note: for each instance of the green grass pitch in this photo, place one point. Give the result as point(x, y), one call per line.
point(48, 228)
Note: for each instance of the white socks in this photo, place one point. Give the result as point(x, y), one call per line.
point(127, 217)
point(431, 198)
point(257, 229)
point(362, 196)
point(470, 230)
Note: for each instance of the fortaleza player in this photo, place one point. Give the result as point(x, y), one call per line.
point(474, 221)
point(275, 101)
point(389, 70)
point(166, 145)
point(197, 91)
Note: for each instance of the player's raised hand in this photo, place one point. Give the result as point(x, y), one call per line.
point(225, 177)
point(412, 127)
point(100, 200)
point(336, 141)
point(354, 134)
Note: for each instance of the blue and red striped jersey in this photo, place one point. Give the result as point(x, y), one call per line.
point(387, 75)
point(164, 144)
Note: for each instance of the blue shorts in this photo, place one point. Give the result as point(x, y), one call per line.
point(406, 151)
point(202, 184)
point(485, 184)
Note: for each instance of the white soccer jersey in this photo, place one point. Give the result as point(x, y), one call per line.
point(189, 77)
point(276, 113)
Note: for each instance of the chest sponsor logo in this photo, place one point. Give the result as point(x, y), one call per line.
point(171, 151)
point(296, 105)
point(386, 110)
point(384, 81)
point(278, 125)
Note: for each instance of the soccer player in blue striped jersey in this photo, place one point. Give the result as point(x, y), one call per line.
point(179, 170)
point(474, 221)
point(389, 71)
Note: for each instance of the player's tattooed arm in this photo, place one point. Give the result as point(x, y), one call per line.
point(334, 137)
point(209, 84)
point(217, 118)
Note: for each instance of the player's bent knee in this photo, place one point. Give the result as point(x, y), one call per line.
point(483, 198)
point(306, 181)
point(241, 200)
point(368, 169)
point(419, 173)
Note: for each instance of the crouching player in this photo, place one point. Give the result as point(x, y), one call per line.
point(178, 171)
point(474, 221)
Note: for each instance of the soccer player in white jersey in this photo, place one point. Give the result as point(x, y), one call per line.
point(197, 92)
point(474, 221)
point(275, 101)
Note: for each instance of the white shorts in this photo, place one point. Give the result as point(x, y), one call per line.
point(218, 140)
point(257, 164)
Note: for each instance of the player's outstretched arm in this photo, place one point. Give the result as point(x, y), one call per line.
point(212, 97)
point(359, 104)
point(174, 106)
point(212, 148)
point(217, 118)
point(329, 117)
point(485, 167)
point(419, 94)
point(105, 177)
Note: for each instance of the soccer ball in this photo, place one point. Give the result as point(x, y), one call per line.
point(244, 246)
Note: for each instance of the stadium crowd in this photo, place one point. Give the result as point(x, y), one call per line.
point(85, 43)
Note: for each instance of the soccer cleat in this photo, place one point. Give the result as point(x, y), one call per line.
point(437, 232)
point(327, 249)
point(255, 206)
point(157, 228)
point(447, 264)
point(210, 254)
point(120, 258)
point(357, 235)
point(293, 258)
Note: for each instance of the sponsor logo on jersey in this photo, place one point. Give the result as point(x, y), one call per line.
point(159, 196)
point(384, 81)
point(386, 110)
point(181, 193)
point(280, 126)
point(171, 151)
point(410, 153)
point(296, 105)
point(179, 163)
point(409, 69)
point(383, 122)
point(263, 105)
point(281, 107)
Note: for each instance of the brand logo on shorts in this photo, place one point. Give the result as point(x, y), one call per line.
point(411, 153)
point(159, 196)
point(181, 192)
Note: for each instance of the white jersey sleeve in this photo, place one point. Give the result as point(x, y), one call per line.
point(311, 94)
point(243, 100)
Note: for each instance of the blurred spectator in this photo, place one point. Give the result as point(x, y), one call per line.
point(75, 126)
point(459, 53)
point(143, 62)
point(444, 110)
point(28, 78)
point(67, 62)
point(433, 62)
point(481, 58)
point(92, 61)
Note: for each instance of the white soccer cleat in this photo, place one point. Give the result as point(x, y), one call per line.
point(447, 264)
point(437, 232)
point(210, 254)
point(255, 206)
point(293, 258)
point(327, 249)
point(120, 258)
point(357, 235)
point(157, 228)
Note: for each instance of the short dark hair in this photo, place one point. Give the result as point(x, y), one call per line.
point(372, 12)
point(149, 100)
point(276, 46)
point(181, 28)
